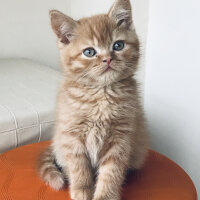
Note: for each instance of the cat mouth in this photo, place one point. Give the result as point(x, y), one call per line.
point(108, 68)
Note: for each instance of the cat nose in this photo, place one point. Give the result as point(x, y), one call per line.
point(108, 60)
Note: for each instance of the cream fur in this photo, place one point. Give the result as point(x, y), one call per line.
point(100, 128)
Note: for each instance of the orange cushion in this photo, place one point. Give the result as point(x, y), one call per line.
point(160, 178)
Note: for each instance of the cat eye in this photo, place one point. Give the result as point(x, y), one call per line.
point(118, 46)
point(89, 52)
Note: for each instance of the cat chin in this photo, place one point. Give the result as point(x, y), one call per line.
point(99, 82)
point(109, 78)
point(101, 79)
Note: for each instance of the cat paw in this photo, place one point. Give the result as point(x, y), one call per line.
point(105, 199)
point(81, 194)
point(108, 198)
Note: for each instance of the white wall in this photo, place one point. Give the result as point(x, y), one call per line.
point(172, 84)
point(25, 30)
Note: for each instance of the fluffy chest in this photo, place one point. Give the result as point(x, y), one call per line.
point(100, 117)
point(97, 109)
point(95, 139)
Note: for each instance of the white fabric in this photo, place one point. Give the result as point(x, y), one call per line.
point(27, 102)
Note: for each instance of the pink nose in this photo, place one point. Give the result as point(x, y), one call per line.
point(108, 61)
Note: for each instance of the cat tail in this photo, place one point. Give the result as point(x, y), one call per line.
point(49, 170)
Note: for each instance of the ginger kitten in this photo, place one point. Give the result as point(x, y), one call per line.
point(100, 131)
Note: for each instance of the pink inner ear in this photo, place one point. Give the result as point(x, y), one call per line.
point(64, 40)
point(120, 22)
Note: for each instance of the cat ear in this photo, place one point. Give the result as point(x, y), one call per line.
point(121, 12)
point(63, 26)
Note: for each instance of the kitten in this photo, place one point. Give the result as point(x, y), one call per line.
point(100, 131)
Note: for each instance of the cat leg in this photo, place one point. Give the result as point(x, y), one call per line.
point(78, 171)
point(111, 173)
point(137, 159)
point(139, 151)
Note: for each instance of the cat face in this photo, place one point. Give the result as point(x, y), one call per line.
point(99, 50)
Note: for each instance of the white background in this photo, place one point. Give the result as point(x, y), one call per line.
point(25, 30)
point(172, 83)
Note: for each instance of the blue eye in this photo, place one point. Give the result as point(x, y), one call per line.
point(89, 52)
point(118, 46)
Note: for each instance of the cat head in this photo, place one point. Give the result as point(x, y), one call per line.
point(98, 50)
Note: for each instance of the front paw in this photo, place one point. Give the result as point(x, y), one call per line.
point(81, 194)
point(107, 198)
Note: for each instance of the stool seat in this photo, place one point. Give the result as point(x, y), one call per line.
point(159, 179)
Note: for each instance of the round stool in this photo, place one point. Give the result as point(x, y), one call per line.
point(159, 179)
